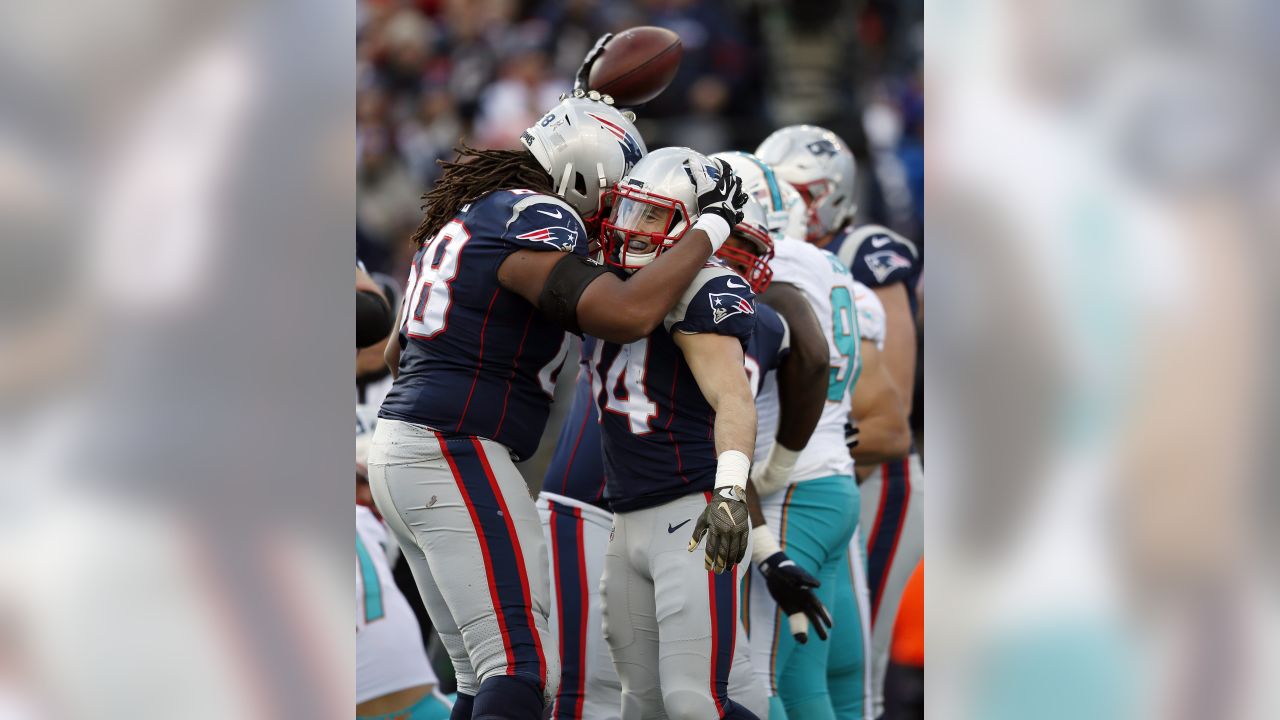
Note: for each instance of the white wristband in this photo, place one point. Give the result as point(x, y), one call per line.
point(782, 461)
point(772, 475)
point(715, 227)
point(731, 469)
point(763, 544)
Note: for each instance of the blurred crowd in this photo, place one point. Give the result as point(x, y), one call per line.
point(431, 73)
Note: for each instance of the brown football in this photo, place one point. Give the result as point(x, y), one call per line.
point(637, 65)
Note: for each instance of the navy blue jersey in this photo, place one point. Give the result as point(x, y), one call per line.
point(877, 256)
point(577, 466)
point(770, 343)
point(477, 359)
point(657, 427)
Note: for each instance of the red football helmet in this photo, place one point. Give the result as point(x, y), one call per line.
point(751, 262)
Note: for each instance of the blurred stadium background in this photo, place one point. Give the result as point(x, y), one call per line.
point(1104, 201)
point(432, 72)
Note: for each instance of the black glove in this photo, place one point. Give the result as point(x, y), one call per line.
point(584, 70)
point(850, 435)
point(792, 588)
point(725, 523)
point(726, 198)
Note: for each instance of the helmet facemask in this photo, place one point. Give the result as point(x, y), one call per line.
point(641, 226)
point(748, 252)
point(814, 194)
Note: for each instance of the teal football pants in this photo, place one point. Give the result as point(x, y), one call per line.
point(814, 521)
point(849, 651)
point(432, 706)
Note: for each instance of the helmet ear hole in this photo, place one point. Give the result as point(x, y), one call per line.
point(580, 184)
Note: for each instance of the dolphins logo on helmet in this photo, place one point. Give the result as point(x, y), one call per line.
point(822, 147)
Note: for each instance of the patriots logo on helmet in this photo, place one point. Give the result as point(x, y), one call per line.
point(557, 236)
point(822, 147)
point(883, 263)
point(630, 148)
point(726, 305)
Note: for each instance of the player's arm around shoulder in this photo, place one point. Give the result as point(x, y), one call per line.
point(585, 298)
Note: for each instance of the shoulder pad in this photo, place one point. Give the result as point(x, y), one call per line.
point(878, 236)
point(876, 254)
point(553, 207)
point(718, 284)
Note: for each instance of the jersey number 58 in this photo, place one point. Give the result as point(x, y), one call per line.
point(429, 293)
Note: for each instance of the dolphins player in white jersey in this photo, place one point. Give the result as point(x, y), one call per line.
point(808, 494)
point(879, 432)
point(818, 163)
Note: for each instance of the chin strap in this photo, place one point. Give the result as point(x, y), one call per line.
point(563, 185)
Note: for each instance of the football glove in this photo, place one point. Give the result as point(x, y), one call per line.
point(792, 588)
point(725, 523)
point(726, 199)
point(584, 70)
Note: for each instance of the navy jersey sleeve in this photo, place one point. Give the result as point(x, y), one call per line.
point(505, 221)
point(773, 337)
point(877, 256)
point(718, 301)
point(541, 222)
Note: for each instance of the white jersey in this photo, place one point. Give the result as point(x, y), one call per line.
point(871, 318)
point(829, 288)
point(389, 651)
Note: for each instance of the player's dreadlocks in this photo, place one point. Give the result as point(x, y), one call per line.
point(472, 174)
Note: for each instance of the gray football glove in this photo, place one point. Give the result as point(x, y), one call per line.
point(727, 526)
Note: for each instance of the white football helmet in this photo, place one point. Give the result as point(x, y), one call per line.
point(752, 263)
point(820, 166)
point(655, 205)
point(586, 146)
point(779, 200)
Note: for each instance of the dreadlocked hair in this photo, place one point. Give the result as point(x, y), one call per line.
point(472, 174)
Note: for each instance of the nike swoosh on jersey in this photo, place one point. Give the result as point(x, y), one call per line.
point(558, 214)
point(671, 529)
point(879, 241)
point(729, 283)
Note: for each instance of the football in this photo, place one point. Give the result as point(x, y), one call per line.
point(636, 65)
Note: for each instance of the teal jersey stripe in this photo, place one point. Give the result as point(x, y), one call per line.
point(775, 195)
point(372, 587)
